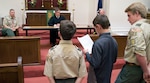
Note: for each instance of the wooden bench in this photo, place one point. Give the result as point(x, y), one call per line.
point(12, 72)
point(26, 46)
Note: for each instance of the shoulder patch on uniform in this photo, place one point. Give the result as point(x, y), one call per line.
point(136, 29)
point(52, 48)
point(138, 25)
point(47, 57)
point(78, 48)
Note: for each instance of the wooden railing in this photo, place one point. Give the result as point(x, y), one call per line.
point(12, 72)
point(39, 19)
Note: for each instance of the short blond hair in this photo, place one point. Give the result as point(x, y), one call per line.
point(137, 7)
point(11, 10)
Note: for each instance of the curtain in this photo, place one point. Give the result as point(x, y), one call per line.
point(100, 5)
point(50, 13)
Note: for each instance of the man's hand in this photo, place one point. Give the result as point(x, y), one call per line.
point(85, 51)
point(51, 80)
point(58, 24)
point(13, 29)
point(143, 63)
point(146, 76)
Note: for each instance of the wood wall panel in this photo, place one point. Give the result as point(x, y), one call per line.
point(40, 19)
point(6, 50)
point(45, 5)
point(27, 47)
point(121, 40)
point(36, 19)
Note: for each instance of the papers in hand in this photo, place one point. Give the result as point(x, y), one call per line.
point(86, 42)
point(26, 27)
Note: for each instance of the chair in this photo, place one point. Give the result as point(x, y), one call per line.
point(12, 72)
point(0, 31)
point(1, 25)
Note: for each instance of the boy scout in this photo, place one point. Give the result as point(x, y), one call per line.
point(10, 24)
point(65, 62)
point(137, 51)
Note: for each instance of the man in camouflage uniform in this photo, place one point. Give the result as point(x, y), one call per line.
point(137, 51)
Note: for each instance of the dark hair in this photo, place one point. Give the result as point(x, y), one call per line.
point(67, 29)
point(11, 10)
point(101, 20)
point(56, 9)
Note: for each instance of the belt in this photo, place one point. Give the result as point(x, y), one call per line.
point(131, 64)
point(66, 78)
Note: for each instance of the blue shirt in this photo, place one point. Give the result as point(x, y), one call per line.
point(104, 54)
point(54, 20)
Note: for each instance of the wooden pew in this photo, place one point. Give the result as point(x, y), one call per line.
point(121, 40)
point(12, 72)
point(26, 46)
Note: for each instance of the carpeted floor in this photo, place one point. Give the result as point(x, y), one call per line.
point(34, 74)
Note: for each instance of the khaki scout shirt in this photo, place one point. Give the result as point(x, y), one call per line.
point(10, 22)
point(138, 41)
point(65, 61)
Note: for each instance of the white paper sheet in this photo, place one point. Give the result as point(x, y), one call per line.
point(86, 42)
point(26, 27)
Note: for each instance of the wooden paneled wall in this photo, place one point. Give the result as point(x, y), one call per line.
point(121, 40)
point(44, 4)
point(27, 47)
point(40, 19)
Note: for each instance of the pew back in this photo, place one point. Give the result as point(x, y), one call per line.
point(12, 72)
point(25, 46)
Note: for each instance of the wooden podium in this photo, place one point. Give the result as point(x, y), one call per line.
point(27, 47)
point(121, 40)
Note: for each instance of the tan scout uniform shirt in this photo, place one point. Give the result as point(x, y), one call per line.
point(138, 41)
point(10, 22)
point(65, 61)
